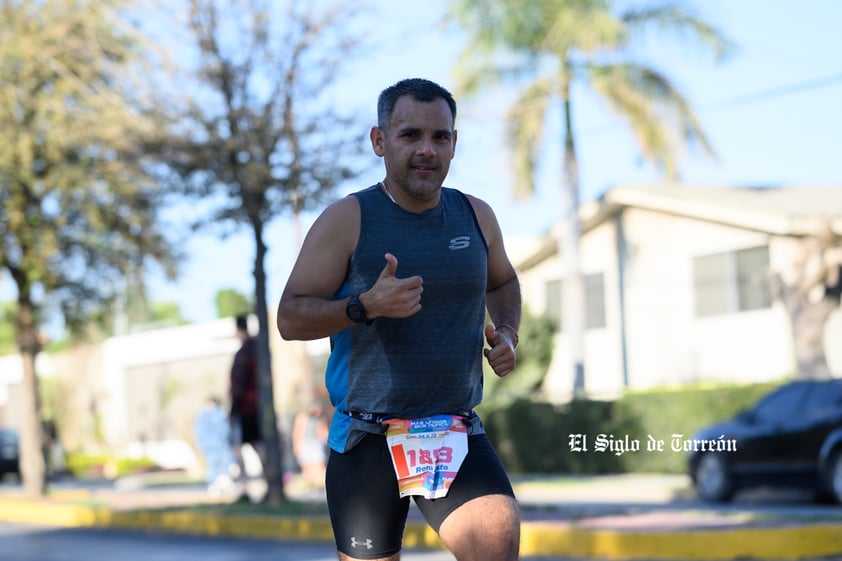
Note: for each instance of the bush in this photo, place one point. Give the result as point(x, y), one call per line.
point(665, 413)
point(533, 359)
point(87, 466)
point(533, 437)
point(538, 437)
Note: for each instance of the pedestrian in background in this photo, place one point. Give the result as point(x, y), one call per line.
point(309, 443)
point(245, 422)
point(212, 430)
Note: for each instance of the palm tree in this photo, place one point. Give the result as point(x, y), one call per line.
point(550, 45)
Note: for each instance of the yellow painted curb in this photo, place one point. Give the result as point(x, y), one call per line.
point(537, 538)
point(70, 516)
point(786, 542)
point(315, 528)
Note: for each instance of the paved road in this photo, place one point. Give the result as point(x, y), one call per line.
point(617, 505)
point(34, 543)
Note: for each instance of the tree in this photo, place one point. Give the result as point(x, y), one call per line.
point(77, 209)
point(7, 333)
point(168, 313)
point(231, 303)
point(810, 292)
point(262, 136)
point(554, 46)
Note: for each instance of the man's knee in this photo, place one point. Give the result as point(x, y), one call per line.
point(483, 528)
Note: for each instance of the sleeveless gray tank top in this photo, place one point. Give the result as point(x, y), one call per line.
point(430, 363)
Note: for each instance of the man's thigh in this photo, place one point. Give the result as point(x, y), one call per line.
point(484, 528)
point(366, 511)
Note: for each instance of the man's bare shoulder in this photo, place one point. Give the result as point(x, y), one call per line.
point(346, 207)
point(323, 259)
point(480, 206)
point(339, 217)
point(485, 215)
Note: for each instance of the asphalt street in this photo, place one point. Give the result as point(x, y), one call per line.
point(34, 543)
point(642, 517)
point(41, 543)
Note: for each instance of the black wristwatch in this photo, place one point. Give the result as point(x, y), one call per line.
point(356, 311)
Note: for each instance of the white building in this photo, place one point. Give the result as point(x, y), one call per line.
point(147, 387)
point(674, 290)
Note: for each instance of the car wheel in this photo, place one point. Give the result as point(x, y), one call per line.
point(834, 476)
point(713, 479)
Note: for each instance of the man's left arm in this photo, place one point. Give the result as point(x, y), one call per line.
point(503, 297)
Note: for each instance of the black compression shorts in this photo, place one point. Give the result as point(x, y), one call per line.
point(366, 511)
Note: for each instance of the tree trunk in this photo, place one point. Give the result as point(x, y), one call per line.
point(808, 329)
point(273, 463)
point(32, 463)
point(573, 290)
point(808, 319)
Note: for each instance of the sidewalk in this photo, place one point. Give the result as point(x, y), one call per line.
point(606, 517)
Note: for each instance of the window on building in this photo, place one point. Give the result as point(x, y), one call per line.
point(594, 301)
point(731, 282)
point(752, 267)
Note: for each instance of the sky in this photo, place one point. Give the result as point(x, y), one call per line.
point(773, 113)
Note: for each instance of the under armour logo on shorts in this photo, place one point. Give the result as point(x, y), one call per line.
point(367, 543)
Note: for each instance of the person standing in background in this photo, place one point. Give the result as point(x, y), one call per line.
point(309, 443)
point(245, 421)
point(213, 437)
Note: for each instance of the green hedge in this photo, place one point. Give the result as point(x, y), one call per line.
point(538, 437)
point(86, 466)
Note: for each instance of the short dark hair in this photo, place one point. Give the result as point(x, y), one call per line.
point(419, 88)
point(242, 323)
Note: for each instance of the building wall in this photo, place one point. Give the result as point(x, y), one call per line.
point(77, 385)
point(667, 343)
point(149, 386)
point(138, 364)
point(156, 382)
point(11, 381)
point(163, 399)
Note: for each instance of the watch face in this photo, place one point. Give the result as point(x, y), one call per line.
point(355, 312)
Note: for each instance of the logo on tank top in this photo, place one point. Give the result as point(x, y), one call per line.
point(460, 242)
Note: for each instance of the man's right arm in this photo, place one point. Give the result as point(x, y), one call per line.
point(306, 310)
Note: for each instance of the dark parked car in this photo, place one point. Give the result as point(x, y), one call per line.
point(791, 438)
point(9, 452)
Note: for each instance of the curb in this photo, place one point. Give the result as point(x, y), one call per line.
point(791, 542)
point(537, 538)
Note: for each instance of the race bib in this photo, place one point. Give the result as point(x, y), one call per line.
point(427, 453)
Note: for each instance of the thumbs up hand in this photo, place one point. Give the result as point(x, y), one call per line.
point(391, 296)
point(501, 355)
